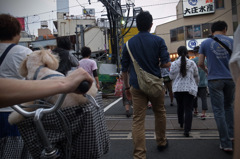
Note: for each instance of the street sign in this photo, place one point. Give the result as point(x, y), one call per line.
point(89, 12)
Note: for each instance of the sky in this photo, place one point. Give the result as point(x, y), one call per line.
point(40, 10)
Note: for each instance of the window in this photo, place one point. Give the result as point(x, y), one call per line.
point(206, 30)
point(197, 31)
point(234, 7)
point(173, 34)
point(177, 34)
point(180, 34)
point(219, 4)
point(189, 32)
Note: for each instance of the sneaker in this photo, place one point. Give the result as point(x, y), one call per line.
point(181, 125)
point(226, 149)
point(186, 134)
point(203, 117)
point(149, 106)
point(161, 148)
point(128, 114)
point(195, 113)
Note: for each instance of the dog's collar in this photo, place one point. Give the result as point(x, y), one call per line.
point(45, 77)
point(37, 72)
point(51, 75)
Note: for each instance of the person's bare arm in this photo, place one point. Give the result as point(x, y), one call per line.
point(15, 91)
point(97, 82)
point(127, 86)
point(166, 65)
point(125, 79)
point(201, 63)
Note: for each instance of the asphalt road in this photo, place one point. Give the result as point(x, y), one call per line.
point(203, 142)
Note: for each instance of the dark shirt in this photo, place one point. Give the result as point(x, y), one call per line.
point(65, 61)
point(146, 50)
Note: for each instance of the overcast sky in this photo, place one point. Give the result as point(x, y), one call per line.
point(40, 10)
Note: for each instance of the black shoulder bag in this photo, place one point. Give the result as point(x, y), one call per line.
point(222, 44)
point(5, 53)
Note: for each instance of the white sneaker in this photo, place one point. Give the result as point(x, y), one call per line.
point(226, 149)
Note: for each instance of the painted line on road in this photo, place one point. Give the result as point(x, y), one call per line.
point(173, 135)
point(110, 105)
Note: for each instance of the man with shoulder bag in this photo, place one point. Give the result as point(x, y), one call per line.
point(217, 51)
point(145, 49)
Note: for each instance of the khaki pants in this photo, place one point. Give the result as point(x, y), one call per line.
point(140, 101)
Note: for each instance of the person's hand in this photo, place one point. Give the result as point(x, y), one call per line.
point(98, 86)
point(74, 79)
point(128, 94)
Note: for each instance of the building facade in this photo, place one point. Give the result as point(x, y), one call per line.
point(194, 20)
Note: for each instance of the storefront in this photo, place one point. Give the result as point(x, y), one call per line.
point(194, 20)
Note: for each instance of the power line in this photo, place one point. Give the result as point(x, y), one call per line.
point(80, 4)
point(141, 6)
point(151, 5)
point(83, 5)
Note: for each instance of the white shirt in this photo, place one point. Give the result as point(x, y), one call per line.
point(11, 64)
point(189, 83)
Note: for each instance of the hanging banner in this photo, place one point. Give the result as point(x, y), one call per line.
point(22, 22)
point(198, 7)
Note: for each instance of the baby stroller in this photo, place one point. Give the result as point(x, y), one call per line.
point(72, 132)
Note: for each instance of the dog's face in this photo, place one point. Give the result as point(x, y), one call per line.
point(38, 58)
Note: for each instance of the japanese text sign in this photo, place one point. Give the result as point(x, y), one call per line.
point(197, 7)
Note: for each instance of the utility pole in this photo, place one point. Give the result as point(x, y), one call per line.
point(77, 39)
point(82, 36)
point(114, 14)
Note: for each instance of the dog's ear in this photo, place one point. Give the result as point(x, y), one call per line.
point(23, 68)
point(49, 60)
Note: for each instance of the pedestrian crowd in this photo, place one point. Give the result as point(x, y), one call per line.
point(184, 79)
point(187, 79)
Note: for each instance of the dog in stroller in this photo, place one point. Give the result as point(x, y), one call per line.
point(41, 65)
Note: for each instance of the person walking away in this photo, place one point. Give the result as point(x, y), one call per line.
point(67, 60)
point(220, 83)
point(146, 50)
point(89, 65)
point(184, 74)
point(202, 87)
point(11, 55)
point(167, 83)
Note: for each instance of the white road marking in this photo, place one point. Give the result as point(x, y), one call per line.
point(110, 105)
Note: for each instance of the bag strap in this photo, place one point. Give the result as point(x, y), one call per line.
point(135, 64)
point(222, 44)
point(130, 53)
point(5, 53)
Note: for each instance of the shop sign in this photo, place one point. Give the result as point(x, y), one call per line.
point(193, 43)
point(197, 7)
point(89, 12)
point(190, 44)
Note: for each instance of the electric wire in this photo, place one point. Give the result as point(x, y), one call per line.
point(140, 6)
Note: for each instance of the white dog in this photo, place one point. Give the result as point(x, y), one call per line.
point(41, 65)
